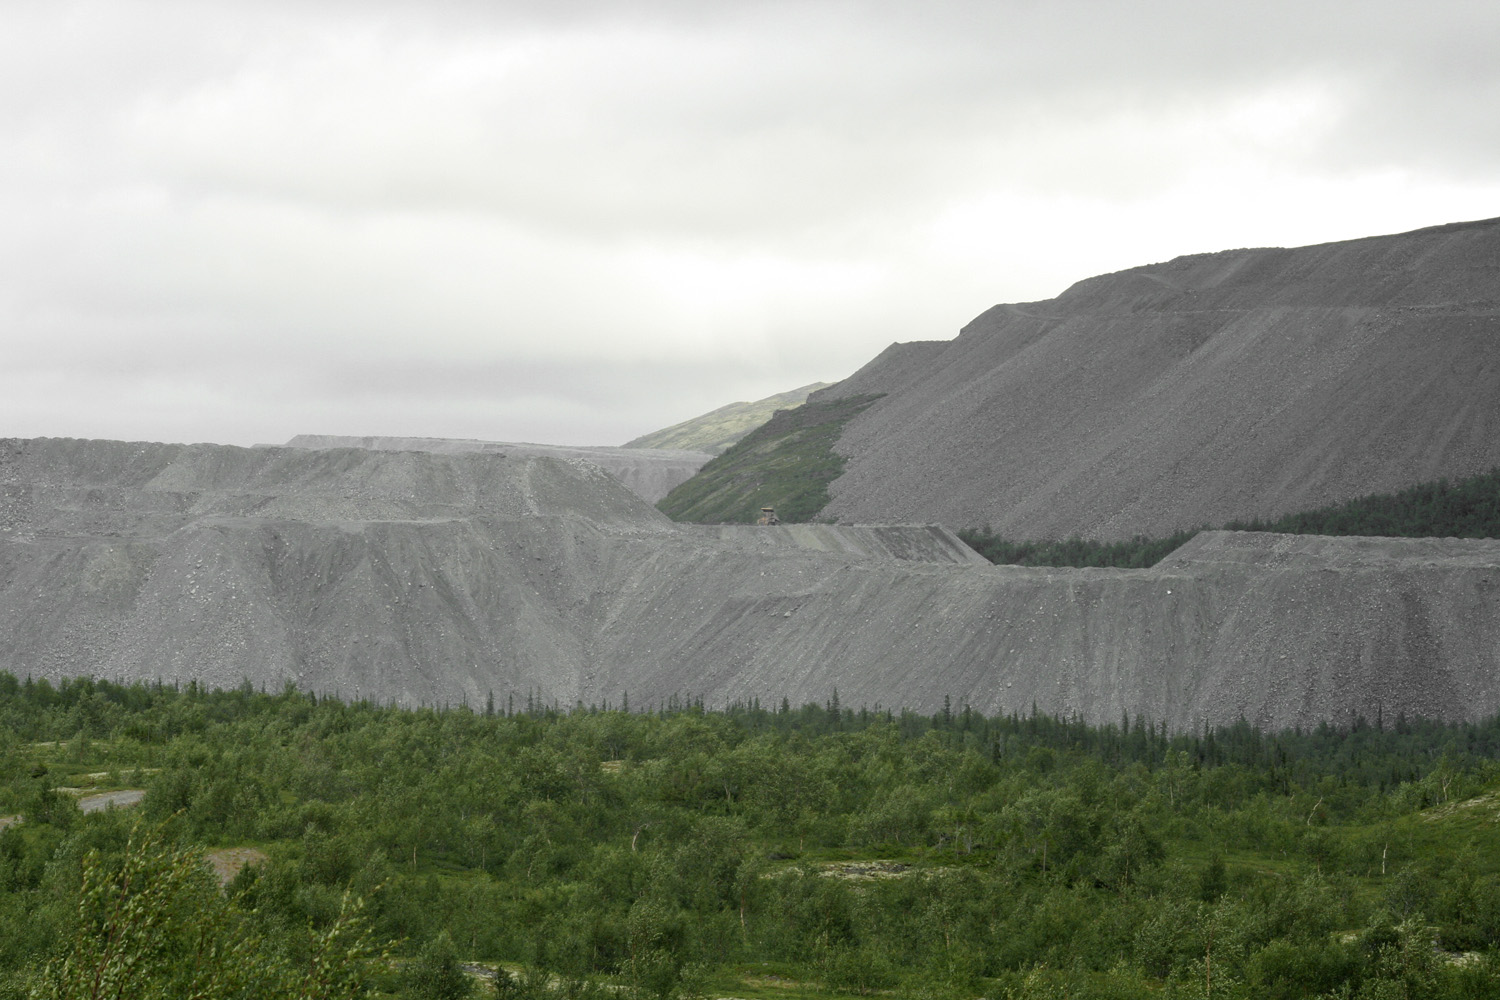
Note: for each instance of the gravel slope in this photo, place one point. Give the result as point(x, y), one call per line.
point(1211, 387)
point(440, 578)
point(650, 473)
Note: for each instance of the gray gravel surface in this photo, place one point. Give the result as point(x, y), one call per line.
point(111, 800)
point(442, 578)
point(1247, 383)
point(650, 473)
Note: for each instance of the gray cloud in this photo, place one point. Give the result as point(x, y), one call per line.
point(491, 220)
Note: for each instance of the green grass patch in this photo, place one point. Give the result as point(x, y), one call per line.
point(788, 464)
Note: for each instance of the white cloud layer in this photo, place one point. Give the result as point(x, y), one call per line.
point(579, 222)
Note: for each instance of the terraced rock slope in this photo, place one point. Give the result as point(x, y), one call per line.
point(1247, 383)
point(649, 472)
point(424, 577)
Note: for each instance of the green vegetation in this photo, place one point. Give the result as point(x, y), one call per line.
point(714, 432)
point(153, 922)
point(1466, 508)
point(787, 463)
point(1137, 553)
point(793, 853)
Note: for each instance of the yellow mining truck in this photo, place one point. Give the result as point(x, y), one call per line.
point(768, 516)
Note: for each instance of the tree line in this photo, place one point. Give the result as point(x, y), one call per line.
point(1464, 508)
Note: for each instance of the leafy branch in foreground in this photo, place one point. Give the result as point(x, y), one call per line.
point(154, 923)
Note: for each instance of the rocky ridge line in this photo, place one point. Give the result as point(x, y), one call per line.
point(1213, 387)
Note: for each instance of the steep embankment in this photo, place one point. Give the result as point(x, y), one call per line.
point(441, 578)
point(650, 473)
point(391, 575)
point(1247, 383)
point(1281, 630)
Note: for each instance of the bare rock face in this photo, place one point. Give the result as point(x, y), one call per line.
point(650, 473)
point(432, 578)
point(1248, 383)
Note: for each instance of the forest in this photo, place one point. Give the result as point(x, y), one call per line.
point(1463, 508)
point(522, 850)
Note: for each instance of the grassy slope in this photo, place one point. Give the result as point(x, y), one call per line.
point(715, 432)
point(787, 463)
point(1465, 508)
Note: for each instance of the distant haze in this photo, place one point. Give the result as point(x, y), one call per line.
point(578, 223)
point(717, 431)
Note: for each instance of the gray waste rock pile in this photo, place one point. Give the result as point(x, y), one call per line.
point(1214, 387)
point(445, 578)
point(650, 473)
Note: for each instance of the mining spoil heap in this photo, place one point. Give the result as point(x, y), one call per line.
point(444, 578)
point(649, 472)
point(1213, 387)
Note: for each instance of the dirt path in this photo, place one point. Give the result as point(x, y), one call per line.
point(227, 861)
point(92, 803)
point(106, 800)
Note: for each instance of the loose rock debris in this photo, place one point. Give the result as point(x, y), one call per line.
point(463, 579)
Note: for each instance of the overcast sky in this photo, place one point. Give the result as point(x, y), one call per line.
point(573, 223)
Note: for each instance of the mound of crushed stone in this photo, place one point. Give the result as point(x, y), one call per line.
point(650, 473)
point(447, 578)
point(1234, 385)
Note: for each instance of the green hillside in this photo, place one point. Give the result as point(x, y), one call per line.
point(787, 463)
point(714, 432)
point(1465, 508)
